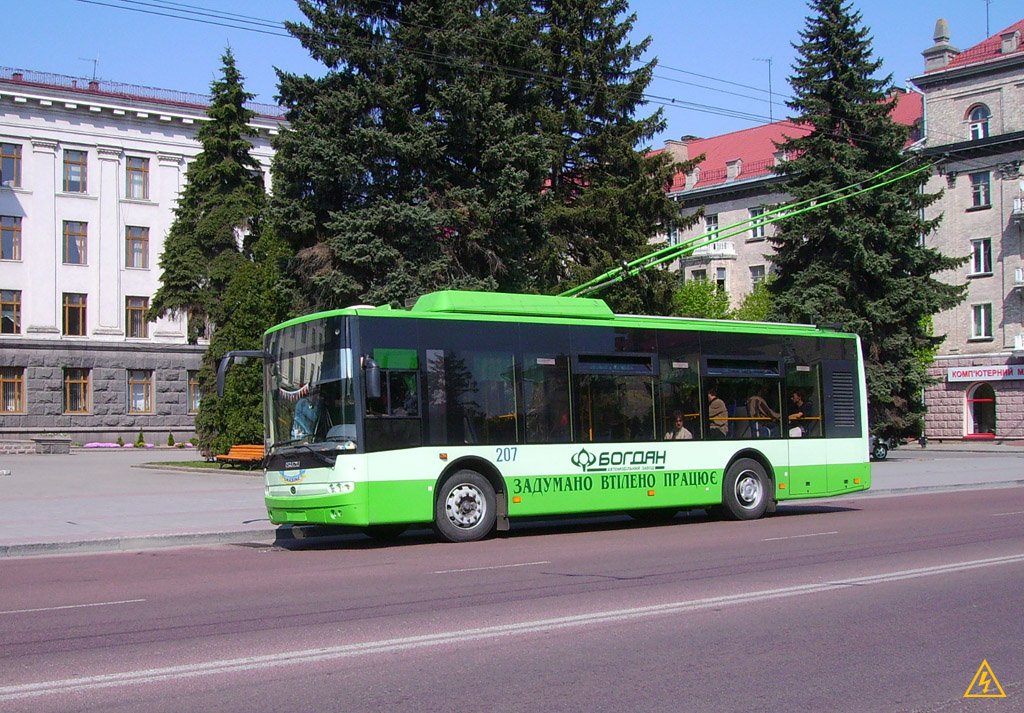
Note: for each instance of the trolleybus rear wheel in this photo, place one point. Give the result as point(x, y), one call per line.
point(745, 490)
point(465, 509)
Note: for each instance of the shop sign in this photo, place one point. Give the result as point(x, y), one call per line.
point(985, 373)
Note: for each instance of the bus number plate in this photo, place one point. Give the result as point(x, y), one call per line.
point(506, 455)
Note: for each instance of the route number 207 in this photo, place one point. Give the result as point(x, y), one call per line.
point(506, 455)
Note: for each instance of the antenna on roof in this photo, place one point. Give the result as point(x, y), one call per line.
point(987, 4)
point(769, 61)
point(95, 62)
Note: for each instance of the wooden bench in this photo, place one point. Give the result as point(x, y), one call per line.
point(247, 455)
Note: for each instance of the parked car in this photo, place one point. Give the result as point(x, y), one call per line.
point(879, 449)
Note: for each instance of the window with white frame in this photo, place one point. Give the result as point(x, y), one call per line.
point(756, 274)
point(711, 222)
point(981, 321)
point(981, 190)
point(981, 256)
point(699, 274)
point(978, 119)
point(756, 231)
point(720, 277)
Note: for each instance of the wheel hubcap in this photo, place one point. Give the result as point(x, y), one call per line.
point(465, 506)
point(748, 489)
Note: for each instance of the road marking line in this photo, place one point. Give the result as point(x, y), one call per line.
point(497, 566)
point(331, 653)
point(796, 537)
point(71, 606)
point(1001, 514)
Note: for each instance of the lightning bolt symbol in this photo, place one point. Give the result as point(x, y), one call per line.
point(984, 680)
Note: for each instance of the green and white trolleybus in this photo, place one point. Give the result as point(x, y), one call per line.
point(471, 409)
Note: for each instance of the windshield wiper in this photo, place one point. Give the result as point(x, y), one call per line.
point(318, 452)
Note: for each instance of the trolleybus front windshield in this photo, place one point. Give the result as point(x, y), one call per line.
point(311, 397)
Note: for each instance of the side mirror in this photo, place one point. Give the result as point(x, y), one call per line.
point(225, 362)
point(371, 374)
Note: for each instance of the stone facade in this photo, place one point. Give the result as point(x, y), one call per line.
point(974, 103)
point(89, 175)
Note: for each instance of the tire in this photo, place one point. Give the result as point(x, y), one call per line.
point(880, 451)
point(384, 533)
point(465, 509)
point(745, 492)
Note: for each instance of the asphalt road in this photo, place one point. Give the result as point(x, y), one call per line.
point(869, 604)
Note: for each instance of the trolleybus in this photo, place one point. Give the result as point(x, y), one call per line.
point(473, 409)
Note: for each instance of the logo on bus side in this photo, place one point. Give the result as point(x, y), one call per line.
point(618, 460)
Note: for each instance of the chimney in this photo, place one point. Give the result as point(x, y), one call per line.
point(678, 150)
point(1011, 42)
point(94, 86)
point(941, 53)
point(17, 76)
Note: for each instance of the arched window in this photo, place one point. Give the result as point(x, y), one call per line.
point(981, 411)
point(978, 118)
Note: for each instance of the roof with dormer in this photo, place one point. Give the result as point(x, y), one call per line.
point(755, 148)
point(988, 50)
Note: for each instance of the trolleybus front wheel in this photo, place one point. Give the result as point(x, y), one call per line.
point(745, 490)
point(465, 509)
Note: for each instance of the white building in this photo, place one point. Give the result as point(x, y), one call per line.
point(89, 175)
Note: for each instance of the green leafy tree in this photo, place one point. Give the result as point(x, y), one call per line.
point(757, 305)
point(700, 298)
point(859, 262)
point(218, 211)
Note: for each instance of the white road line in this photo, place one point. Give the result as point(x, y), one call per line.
point(1002, 514)
point(331, 653)
point(796, 537)
point(497, 566)
point(71, 606)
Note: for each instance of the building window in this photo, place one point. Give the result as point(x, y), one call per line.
point(711, 223)
point(140, 391)
point(12, 389)
point(981, 256)
point(756, 274)
point(10, 165)
point(74, 314)
point(137, 178)
point(699, 274)
point(75, 171)
point(75, 242)
point(981, 190)
point(981, 322)
point(136, 248)
point(757, 231)
point(10, 237)
point(720, 277)
point(194, 394)
point(978, 118)
point(10, 311)
point(135, 316)
point(76, 391)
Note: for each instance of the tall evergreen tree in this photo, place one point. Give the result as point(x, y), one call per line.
point(410, 166)
point(217, 213)
point(484, 144)
point(860, 262)
point(605, 197)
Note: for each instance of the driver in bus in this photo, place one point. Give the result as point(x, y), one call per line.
point(307, 414)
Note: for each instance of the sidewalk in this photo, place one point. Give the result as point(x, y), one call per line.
point(102, 500)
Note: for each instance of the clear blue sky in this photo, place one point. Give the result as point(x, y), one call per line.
point(718, 45)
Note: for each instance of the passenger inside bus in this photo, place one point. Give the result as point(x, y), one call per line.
point(677, 430)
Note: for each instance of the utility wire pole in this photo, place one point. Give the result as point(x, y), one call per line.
point(771, 118)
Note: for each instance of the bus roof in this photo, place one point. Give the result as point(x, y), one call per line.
point(509, 307)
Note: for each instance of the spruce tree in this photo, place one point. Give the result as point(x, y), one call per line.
point(605, 188)
point(860, 262)
point(217, 213)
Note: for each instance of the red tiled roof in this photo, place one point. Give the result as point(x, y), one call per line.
point(756, 147)
point(987, 50)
